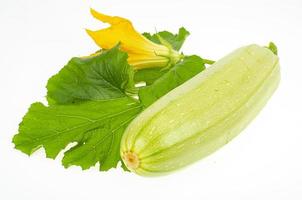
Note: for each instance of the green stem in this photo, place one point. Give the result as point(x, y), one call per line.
point(271, 46)
point(207, 61)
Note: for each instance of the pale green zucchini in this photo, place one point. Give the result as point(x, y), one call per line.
point(203, 114)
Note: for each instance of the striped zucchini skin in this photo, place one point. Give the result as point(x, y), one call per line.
point(206, 112)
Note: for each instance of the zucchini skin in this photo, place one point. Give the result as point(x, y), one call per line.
point(203, 114)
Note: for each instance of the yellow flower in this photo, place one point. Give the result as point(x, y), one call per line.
point(142, 53)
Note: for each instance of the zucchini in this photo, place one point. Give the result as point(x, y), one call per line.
point(201, 115)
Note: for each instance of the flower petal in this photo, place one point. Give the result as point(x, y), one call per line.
point(142, 52)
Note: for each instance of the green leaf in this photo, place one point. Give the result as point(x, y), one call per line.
point(95, 126)
point(89, 109)
point(176, 40)
point(104, 76)
point(149, 75)
point(176, 76)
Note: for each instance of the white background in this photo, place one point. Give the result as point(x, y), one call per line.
point(37, 37)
